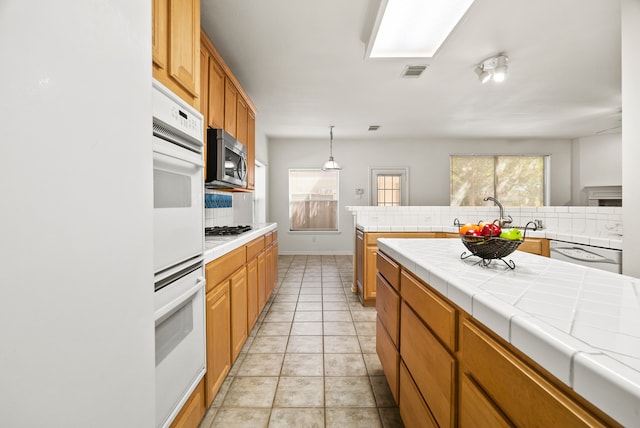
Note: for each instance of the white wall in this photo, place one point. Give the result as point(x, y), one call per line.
point(428, 162)
point(597, 161)
point(76, 313)
point(630, 136)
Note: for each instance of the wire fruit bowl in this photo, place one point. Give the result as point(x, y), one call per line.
point(490, 248)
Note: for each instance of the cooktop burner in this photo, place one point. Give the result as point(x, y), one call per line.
point(226, 230)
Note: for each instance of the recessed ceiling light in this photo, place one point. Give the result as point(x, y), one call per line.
point(414, 28)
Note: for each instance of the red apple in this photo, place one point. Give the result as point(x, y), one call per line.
point(490, 229)
point(473, 232)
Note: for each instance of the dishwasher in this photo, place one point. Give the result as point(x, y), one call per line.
point(586, 255)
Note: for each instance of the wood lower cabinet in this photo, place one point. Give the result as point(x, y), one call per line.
point(238, 290)
point(175, 45)
point(538, 246)
point(453, 371)
point(218, 320)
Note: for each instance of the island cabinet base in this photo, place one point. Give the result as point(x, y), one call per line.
point(446, 369)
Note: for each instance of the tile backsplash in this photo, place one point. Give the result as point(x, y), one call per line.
point(218, 208)
point(590, 221)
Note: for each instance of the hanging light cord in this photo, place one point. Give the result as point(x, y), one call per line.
point(331, 142)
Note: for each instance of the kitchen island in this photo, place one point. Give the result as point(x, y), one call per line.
point(571, 330)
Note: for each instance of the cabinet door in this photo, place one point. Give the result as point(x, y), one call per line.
point(242, 118)
point(389, 357)
point(359, 268)
point(370, 270)
point(230, 107)
point(252, 293)
point(159, 37)
point(218, 339)
point(430, 365)
point(388, 308)
point(184, 43)
point(510, 383)
point(203, 96)
point(238, 287)
point(414, 412)
point(215, 117)
point(476, 410)
point(251, 150)
point(262, 281)
point(269, 271)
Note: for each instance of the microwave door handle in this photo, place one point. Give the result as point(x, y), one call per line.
point(242, 168)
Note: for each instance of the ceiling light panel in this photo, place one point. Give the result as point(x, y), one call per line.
point(414, 28)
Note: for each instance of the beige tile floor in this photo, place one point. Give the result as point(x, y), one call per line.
point(310, 360)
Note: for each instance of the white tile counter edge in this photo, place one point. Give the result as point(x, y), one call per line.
point(606, 382)
point(220, 245)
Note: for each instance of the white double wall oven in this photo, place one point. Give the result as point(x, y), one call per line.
point(179, 283)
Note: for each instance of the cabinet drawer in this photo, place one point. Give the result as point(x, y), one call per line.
point(388, 307)
point(432, 368)
point(389, 269)
point(434, 311)
point(389, 357)
point(222, 267)
point(255, 247)
point(268, 239)
point(510, 383)
point(476, 410)
point(413, 411)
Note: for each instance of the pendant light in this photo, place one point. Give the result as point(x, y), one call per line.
point(331, 164)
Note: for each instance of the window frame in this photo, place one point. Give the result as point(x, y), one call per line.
point(375, 171)
point(337, 200)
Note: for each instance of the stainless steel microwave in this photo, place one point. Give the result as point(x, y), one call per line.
point(226, 160)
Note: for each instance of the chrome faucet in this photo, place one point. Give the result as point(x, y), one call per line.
point(502, 220)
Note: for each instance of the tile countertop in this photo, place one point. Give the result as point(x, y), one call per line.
point(596, 241)
point(579, 323)
point(217, 246)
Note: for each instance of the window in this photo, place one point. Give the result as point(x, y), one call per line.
point(313, 200)
point(514, 180)
point(389, 187)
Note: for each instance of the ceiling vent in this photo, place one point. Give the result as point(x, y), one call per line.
point(413, 71)
point(374, 127)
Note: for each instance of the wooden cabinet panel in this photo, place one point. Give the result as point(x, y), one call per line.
point(252, 293)
point(269, 276)
point(238, 288)
point(255, 247)
point(193, 410)
point(432, 368)
point(370, 270)
point(218, 320)
point(215, 107)
point(251, 150)
point(389, 269)
point(203, 95)
point(510, 383)
point(389, 357)
point(535, 246)
point(220, 269)
point(184, 43)
point(413, 411)
point(476, 410)
point(159, 33)
point(242, 121)
point(230, 107)
point(358, 276)
point(388, 308)
point(262, 280)
point(434, 311)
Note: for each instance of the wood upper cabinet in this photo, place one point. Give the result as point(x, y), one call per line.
point(176, 47)
point(230, 107)
point(242, 119)
point(215, 116)
point(251, 150)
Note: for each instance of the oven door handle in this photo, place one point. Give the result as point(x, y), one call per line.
point(161, 147)
point(168, 309)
